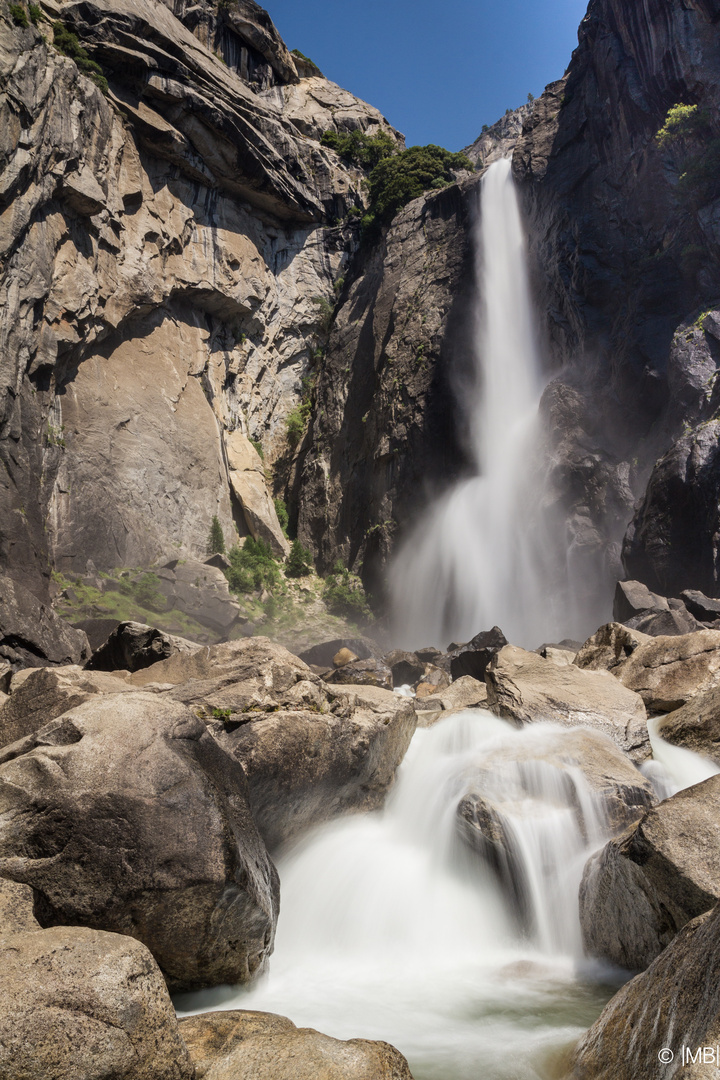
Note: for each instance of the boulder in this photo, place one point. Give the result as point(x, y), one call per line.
point(322, 654)
point(671, 1006)
point(633, 599)
point(473, 658)
point(125, 814)
point(372, 671)
point(307, 766)
point(696, 725)
point(676, 621)
point(239, 1045)
point(80, 1004)
point(434, 680)
point(703, 607)
point(344, 656)
point(524, 687)
point(667, 671)
point(97, 630)
point(578, 761)
point(16, 908)
point(464, 693)
point(246, 473)
point(132, 646)
point(608, 647)
point(32, 635)
point(200, 591)
point(640, 889)
point(407, 667)
point(46, 693)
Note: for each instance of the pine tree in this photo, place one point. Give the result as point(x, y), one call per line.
point(216, 540)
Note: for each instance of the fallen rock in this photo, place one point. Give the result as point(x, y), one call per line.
point(670, 1006)
point(132, 646)
point(344, 656)
point(246, 473)
point(255, 661)
point(200, 591)
point(239, 1045)
point(46, 693)
point(464, 693)
point(676, 621)
point(77, 1003)
point(608, 647)
point(668, 671)
point(434, 679)
point(407, 667)
point(473, 658)
point(701, 606)
point(639, 890)
point(140, 775)
point(372, 671)
point(32, 635)
point(696, 725)
point(633, 599)
point(322, 654)
point(304, 767)
point(97, 630)
point(524, 687)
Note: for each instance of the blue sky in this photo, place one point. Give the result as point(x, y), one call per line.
point(438, 71)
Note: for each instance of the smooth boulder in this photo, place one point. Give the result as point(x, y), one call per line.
point(244, 1045)
point(126, 815)
point(672, 1007)
point(525, 687)
point(81, 1004)
point(639, 890)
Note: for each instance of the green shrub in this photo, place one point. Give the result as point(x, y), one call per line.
point(297, 420)
point(397, 180)
point(282, 515)
point(299, 561)
point(18, 15)
point(682, 122)
point(68, 44)
point(258, 446)
point(357, 148)
point(315, 70)
point(36, 14)
point(344, 594)
point(687, 132)
point(216, 539)
point(252, 567)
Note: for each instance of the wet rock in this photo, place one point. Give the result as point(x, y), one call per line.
point(140, 774)
point(239, 1045)
point(474, 657)
point(524, 687)
point(132, 646)
point(669, 671)
point(641, 888)
point(32, 635)
point(695, 726)
point(670, 1006)
point(373, 672)
point(46, 693)
point(77, 1003)
point(306, 766)
point(323, 653)
point(608, 647)
point(407, 667)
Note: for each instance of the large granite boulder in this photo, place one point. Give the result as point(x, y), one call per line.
point(80, 1004)
point(125, 814)
point(668, 1009)
point(247, 480)
point(200, 591)
point(525, 687)
point(640, 889)
point(474, 657)
point(132, 646)
point(46, 693)
point(634, 600)
point(696, 725)
point(373, 672)
point(608, 647)
point(32, 635)
point(240, 1045)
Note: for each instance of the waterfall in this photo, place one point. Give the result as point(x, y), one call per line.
point(392, 927)
point(479, 558)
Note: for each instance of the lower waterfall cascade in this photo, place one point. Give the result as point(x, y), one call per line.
point(391, 928)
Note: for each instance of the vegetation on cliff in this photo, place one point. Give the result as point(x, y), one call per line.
point(688, 134)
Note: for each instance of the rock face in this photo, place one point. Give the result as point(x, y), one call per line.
point(247, 478)
point(668, 1007)
point(32, 635)
point(669, 671)
point(139, 774)
point(608, 647)
point(524, 687)
point(641, 888)
point(239, 1045)
point(78, 1003)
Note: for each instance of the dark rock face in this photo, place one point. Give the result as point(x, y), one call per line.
point(32, 635)
point(473, 658)
point(669, 1006)
point(133, 646)
point(640, 889)
point(141, 775)
point(322, 654)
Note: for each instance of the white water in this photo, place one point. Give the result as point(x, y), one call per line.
point(682, 767)
point(392, 928)
point(481, 555)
